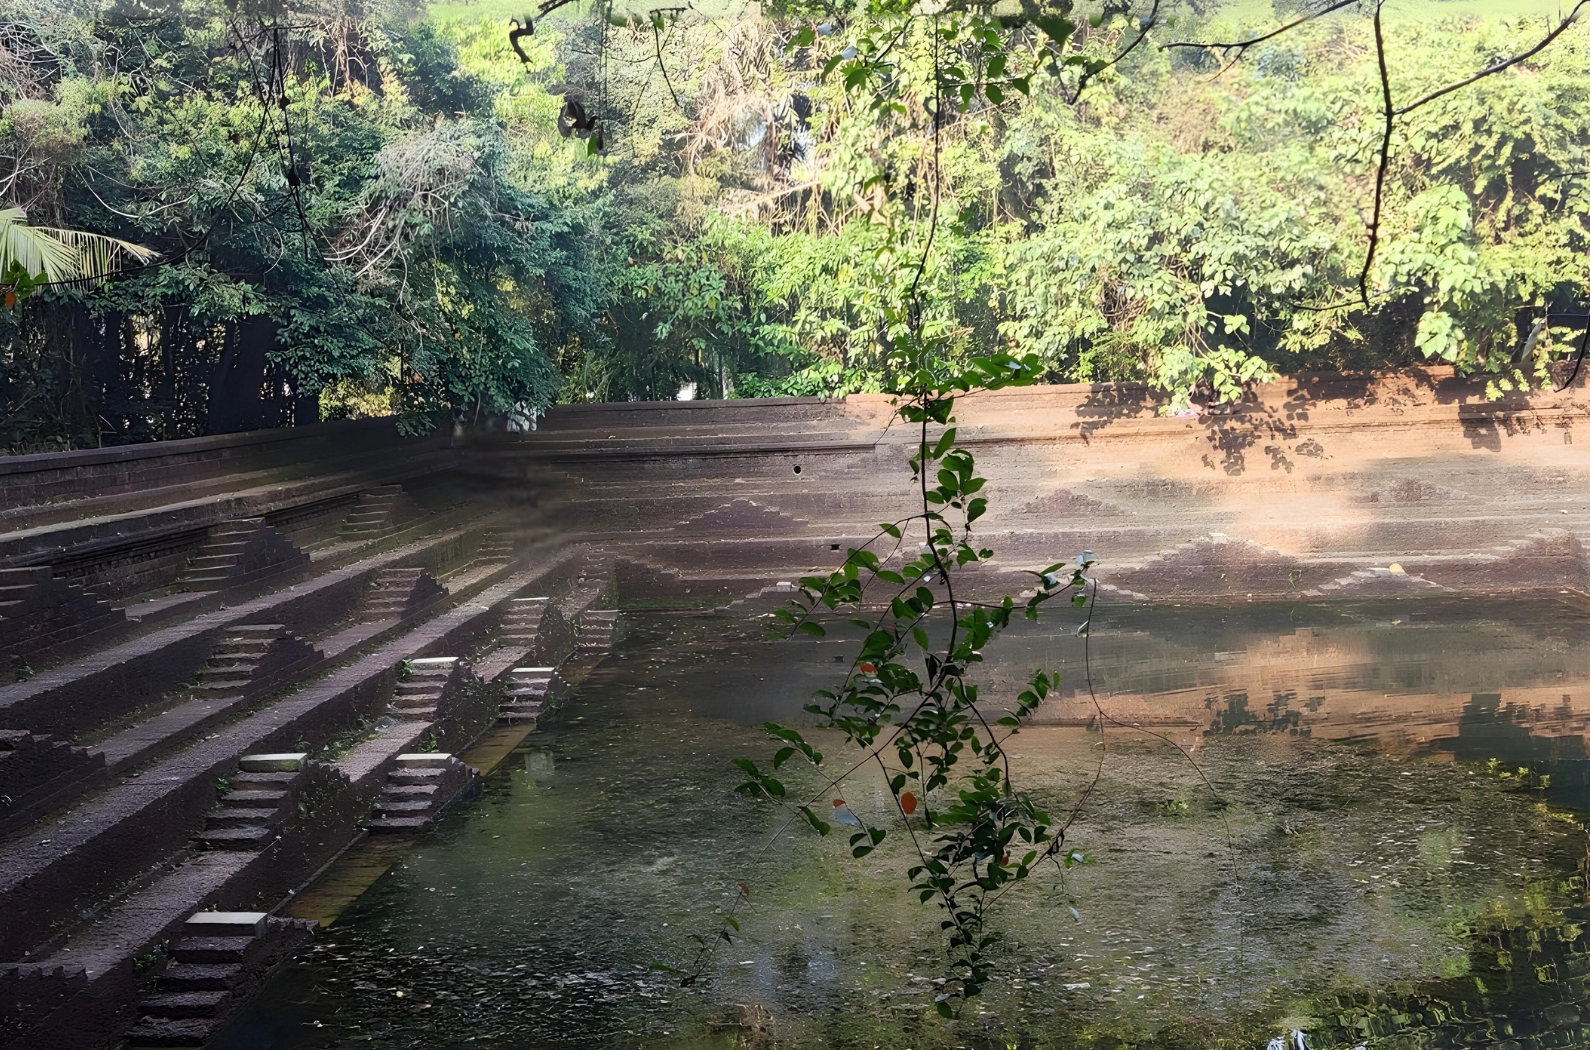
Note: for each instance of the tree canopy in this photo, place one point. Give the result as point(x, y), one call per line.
point(395, 209)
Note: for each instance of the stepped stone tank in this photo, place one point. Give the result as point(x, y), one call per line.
point(186, 621)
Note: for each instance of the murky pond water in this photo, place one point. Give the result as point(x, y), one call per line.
point(1385, 853)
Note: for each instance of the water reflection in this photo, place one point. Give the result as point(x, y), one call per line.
point(1386, 859)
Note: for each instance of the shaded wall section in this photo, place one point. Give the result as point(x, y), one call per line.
point(1316, 486)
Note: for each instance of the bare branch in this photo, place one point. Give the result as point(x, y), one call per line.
point(1499, 66)
point(1385, 158)
point(1239, 46)
point(1142, 34)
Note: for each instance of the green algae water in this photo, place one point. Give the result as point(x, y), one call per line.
point(1334, 826)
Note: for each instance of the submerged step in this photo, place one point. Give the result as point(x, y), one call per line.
point(186, 1004)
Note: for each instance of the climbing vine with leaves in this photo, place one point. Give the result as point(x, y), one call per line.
point(907, 705)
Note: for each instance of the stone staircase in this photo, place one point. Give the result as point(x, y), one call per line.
point(529, 688)
point(399, 593)
point(744, 517)
point(417, 696)
point(1377, 581)
point(240, 552)
point(377, 514)
point(38, 611)
point(260, 798)
point(32, 990)
point(418, 790)
point(596, 633)
point(33, 767)
point(496, 545)
point(534, 629)
point(212, 969)
point(248, 657)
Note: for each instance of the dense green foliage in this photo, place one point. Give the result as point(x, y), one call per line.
point(372, 211)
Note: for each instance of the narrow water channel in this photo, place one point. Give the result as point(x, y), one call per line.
point(1375, 841)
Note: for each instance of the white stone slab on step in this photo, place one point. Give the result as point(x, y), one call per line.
point(225, 924)
point(433, 660)
point(532, 670)
point(425, 758)
point(284, 763)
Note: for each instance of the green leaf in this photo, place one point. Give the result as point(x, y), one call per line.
point(1057, 27)
point(814, 629)
point(819, 826)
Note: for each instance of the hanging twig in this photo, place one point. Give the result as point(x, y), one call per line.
point(1578, 358)
point(1143, 29)
point(1385, 159)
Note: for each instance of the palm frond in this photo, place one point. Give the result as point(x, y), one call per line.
point(38, 253)
point(50, 254)
point(97, 255)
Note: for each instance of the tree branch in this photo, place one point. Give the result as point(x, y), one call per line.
point(1239, 46)
point(1385, 158)
point(1147, 24)
point(1499, 66)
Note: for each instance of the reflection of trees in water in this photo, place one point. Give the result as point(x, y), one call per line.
point(1549, 743)
point(1527, 986)
point(1232, 714)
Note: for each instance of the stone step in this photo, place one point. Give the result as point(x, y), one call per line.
point(252, 797)
point(242, 648)
point(249, 837)
point(238, 818)
point(200, 976)
point(211, 949)
point(278, 766)
point(202, 562)
point(222, 687)
point(409, 790)
point(396, 806)
point(187, 1031)
point(185, 1004)
point(246, 775)
point(400, 824)
point(416, 776)
point(231, 667)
